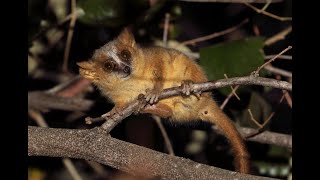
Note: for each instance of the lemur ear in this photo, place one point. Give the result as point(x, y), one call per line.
point(126, 37)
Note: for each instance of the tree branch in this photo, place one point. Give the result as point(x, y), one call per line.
point(213, 35)
point(69, 36)
point(42, 100)
point(268, 137)
point(37, 116)
point(262, 11)
point(286, 57)
point(113, 120)
point(94, 145)
point(165, 136)
point(273, 59)
point(279, 71)
point(265, 137)
point(277, 37)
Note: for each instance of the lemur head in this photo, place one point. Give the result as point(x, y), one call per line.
point(112, 62)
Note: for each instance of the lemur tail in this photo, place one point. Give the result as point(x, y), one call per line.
point(213, 114)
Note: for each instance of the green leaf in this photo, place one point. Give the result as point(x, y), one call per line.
point(237, 58)
point(102, 12)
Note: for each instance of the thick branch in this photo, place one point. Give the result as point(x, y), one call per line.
point(94, 145)
point(265, 137)
point(42, 100)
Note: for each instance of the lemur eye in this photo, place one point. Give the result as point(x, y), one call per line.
point(108, 66)
point(125, 54)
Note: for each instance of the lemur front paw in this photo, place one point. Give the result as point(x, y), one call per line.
point(142, 103)
point(152, 96)
point(187, 89)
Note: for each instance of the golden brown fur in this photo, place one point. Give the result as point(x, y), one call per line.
point(157, 68)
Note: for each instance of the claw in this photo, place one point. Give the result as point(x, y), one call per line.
point(197, 94)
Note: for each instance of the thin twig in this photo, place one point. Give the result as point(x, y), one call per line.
point(274, 58)
point(164, 135)
point(75, 88)
point(42, 100)
point(256, 30)
point(266, 5)
point(279, 71)
point(232, 89)
point(286, 57)
point(261, 126)
point(69, 37)
point(98, 168)
point(71, 169)
point(267, 13)
point(67, 18)
point(192, 55)
point(262, 129)
point(282, 98)
point(279, 36)
point(268, 119)
point(63, 85)
point(288, 98)
point(229, 97)
point(285, 95)
point(166, 29)
point(90, 120)
point(254, 120)
point(214, 35)
point(38, 118)
point(196, 55)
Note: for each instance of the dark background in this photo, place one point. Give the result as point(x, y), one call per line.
point(193, 20)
